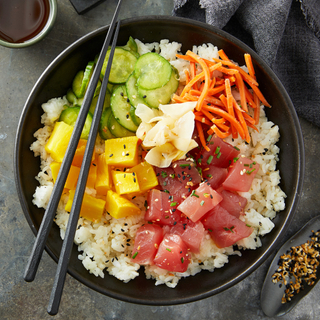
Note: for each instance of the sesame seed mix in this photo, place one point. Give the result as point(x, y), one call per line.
point(298, 267)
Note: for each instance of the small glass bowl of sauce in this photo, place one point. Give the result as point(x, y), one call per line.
point(25, 22)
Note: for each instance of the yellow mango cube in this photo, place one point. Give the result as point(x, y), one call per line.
point(104, 180)
point(119, 207)
point(125, 182)
point(146, 175)
point(92, 176)
point(91, 209)
point(58, 142)
point(122, 151)
point(78, 155)
point(72, 178)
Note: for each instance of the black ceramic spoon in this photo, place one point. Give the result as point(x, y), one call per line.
point(272, 293)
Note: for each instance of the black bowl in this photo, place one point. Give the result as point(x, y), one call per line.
point(55, 81)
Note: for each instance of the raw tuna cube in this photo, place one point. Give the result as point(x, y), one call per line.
point(224, 228)
point(241, 175)
point(170, 183)
point(221, 153)
point(199, 202)
point(233, 202)
point(172, 254)
point(190, 232)
point(187, 173)
point(214, 175)
point(161, 209)
point(146, 244)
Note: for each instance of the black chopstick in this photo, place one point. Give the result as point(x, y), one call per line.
point(81, 185)
point(51, 209)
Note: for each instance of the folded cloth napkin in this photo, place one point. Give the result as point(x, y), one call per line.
point(285, 33)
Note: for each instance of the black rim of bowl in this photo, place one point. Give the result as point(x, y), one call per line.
point(163, 300)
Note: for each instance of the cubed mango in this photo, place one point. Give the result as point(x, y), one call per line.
point(92, 176)
point(125, 182)
point(72, 178)
point(78, 155)
point(91, 209)
point(119, 207)
point(146, 175)
point(104, 180)
point(122, 151)
point(58, 142)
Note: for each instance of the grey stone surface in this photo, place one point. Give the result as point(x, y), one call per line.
point(19, 70)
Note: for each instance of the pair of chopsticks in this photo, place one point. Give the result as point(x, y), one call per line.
point(50, 212)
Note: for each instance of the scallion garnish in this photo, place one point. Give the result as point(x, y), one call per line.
point(164, 174)
point(209, 159)
point(193, 194)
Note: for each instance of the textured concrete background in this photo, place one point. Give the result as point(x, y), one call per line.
point(19, 70)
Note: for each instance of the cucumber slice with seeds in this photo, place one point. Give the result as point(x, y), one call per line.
point(131, 45)
point(76, 84)
point(132, 91)
point(120, 106)
point(136, 120)
point(71, 97)
point(98, 87)
point(104, 131)
point(86, 78)
point(106, 103)
point(152, 71)
point(70, 115)
point(153, 98)
point(117, 129)
point(122, 65)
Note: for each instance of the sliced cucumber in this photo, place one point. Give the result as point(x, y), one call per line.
point(104, 131)
point(132, 91)
point(71, 97)
point(122, 65)
point(120, 106)
point(131, 45)
point(152, 71)
point(98, 87)
point(153, 98)
point(70, 115)
point(76, 84)
point(110, 86)
point(136, 120)
point(79, 102)
point(106, 103)
point(117, 129)
point(86, 78)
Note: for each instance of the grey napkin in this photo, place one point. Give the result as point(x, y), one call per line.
point(285, 33)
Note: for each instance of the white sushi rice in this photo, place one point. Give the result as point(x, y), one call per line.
point(106, 246)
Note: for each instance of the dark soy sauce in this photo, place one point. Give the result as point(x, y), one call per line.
point(22, 20)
